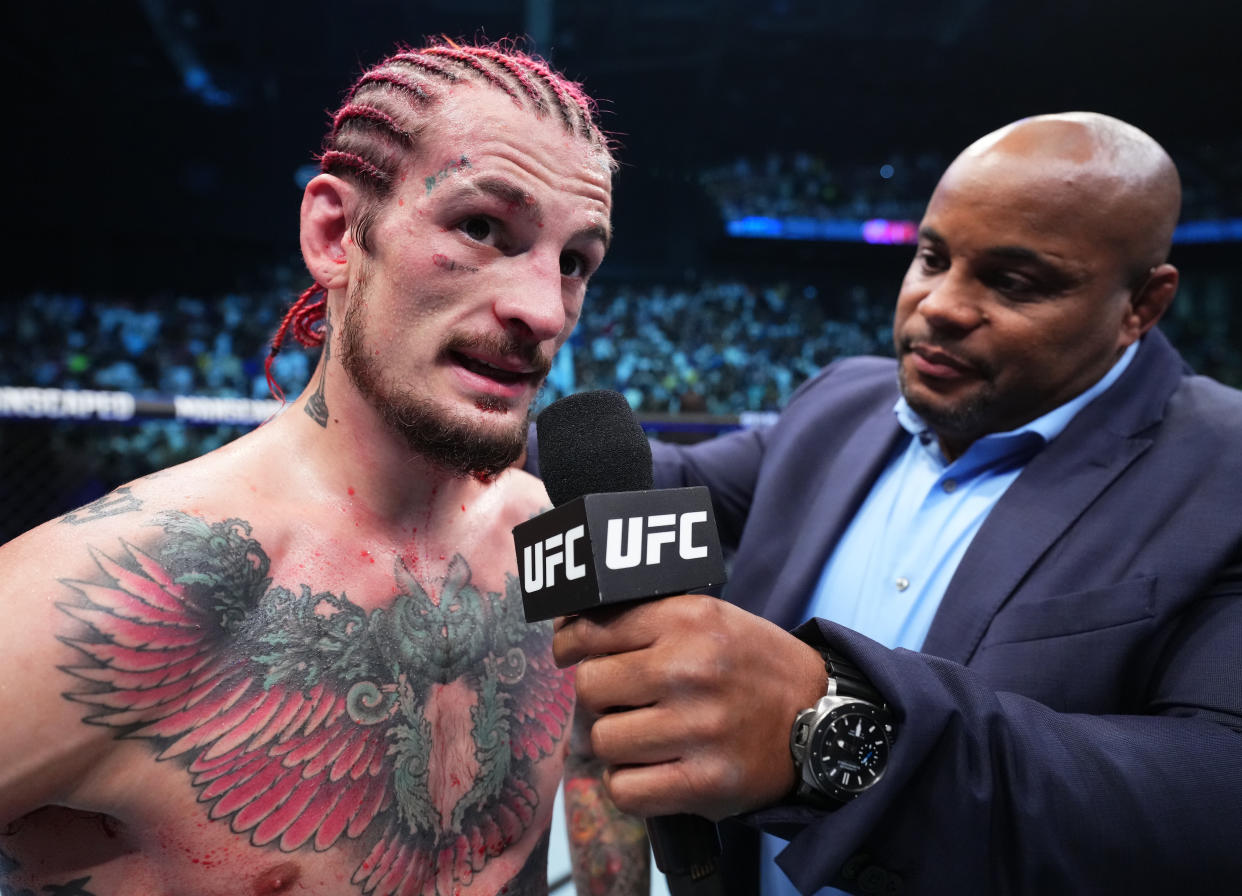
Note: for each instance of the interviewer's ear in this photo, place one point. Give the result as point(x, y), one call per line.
point(326, 205)
point(1149, 302)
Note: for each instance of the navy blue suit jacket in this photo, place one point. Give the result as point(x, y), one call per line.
point(1072, 724)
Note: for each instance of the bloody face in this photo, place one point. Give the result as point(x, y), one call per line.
point(476, 276)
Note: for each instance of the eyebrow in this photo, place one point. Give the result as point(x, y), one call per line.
point(1012, 253)
point(513, 195)
point(508, 193)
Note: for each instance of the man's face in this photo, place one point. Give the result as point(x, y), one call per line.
point(1015, 300)
point(477, 275)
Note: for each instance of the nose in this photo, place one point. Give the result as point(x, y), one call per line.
point(531, 304)
point(950, 305)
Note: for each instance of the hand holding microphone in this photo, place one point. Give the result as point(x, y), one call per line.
point(611, 539)
point(696, 697)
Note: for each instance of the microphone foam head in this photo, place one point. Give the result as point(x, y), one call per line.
point(589, 443)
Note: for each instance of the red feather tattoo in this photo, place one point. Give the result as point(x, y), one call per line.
point(302, 719)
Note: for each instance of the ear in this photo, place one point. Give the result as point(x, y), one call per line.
point(1149, 302)
point(326, 204)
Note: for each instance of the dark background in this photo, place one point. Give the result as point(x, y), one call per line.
point(123, 178)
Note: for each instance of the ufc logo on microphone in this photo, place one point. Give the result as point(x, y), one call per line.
point(625, 543)
point(542, 559)
point(613, 547)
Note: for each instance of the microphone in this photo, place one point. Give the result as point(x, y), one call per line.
point(610, 538)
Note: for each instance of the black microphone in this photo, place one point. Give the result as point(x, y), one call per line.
point(611, 538)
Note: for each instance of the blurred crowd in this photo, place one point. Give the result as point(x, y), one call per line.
point(896, 187)
point(804, 185)
point(163, 345)
point(720, 347)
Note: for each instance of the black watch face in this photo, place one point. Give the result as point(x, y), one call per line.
point(849, 749)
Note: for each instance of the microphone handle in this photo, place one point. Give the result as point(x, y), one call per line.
point(686, 848)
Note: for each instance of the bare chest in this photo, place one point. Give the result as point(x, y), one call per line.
point(403, 738)
point(74, 853)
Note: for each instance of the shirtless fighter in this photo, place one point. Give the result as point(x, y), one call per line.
point(300, 663)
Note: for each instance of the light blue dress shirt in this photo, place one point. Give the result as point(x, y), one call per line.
point(890, 570)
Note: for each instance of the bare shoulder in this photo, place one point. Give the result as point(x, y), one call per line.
point(62, 547)
point(37, 563)
point(44, 749)
point(523, 495)
point(64, 581)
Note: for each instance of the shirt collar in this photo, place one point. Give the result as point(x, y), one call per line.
point(1030, 436)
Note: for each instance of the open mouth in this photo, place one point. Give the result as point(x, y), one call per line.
point(491, 371)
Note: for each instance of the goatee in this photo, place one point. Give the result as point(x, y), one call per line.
point(450, 440)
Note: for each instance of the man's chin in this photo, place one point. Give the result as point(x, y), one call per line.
point(962, 420)
point(472, 454)
point(464, 441)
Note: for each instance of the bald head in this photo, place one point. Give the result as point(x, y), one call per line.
point(1115, 173)
point(1041, 259)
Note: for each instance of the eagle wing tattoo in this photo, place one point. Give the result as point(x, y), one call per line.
point(301, 718)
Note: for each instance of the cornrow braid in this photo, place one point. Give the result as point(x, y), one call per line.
point(363, 114)
point(334, 160)
point(394, 79)
point(475, 63)
point(576, 108)
point(515, 70)
point(303, 317)
point(421, 61)
point(380, 122)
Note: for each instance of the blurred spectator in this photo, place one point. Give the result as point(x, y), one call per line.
point(807, 185)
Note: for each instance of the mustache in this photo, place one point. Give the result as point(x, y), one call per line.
point(949, 349)
point(527, 353)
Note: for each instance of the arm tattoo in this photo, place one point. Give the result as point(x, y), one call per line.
point(301, 719)
point(609, 849)
point(317, 404)
point(609, 854)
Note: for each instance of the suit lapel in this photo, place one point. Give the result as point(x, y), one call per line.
point(1054, 490)
point(1036, 510)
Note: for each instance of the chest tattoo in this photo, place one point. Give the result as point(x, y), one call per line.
point(304, 720)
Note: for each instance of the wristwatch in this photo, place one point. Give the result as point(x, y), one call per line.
point(841, 744)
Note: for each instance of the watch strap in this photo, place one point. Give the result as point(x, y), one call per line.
point(850, 682)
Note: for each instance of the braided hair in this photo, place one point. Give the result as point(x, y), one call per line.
point(380, 122)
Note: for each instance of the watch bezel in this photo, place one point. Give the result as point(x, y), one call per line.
point(815, 772)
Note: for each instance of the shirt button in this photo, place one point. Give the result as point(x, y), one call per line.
point(950, 486)
point(902, 583)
